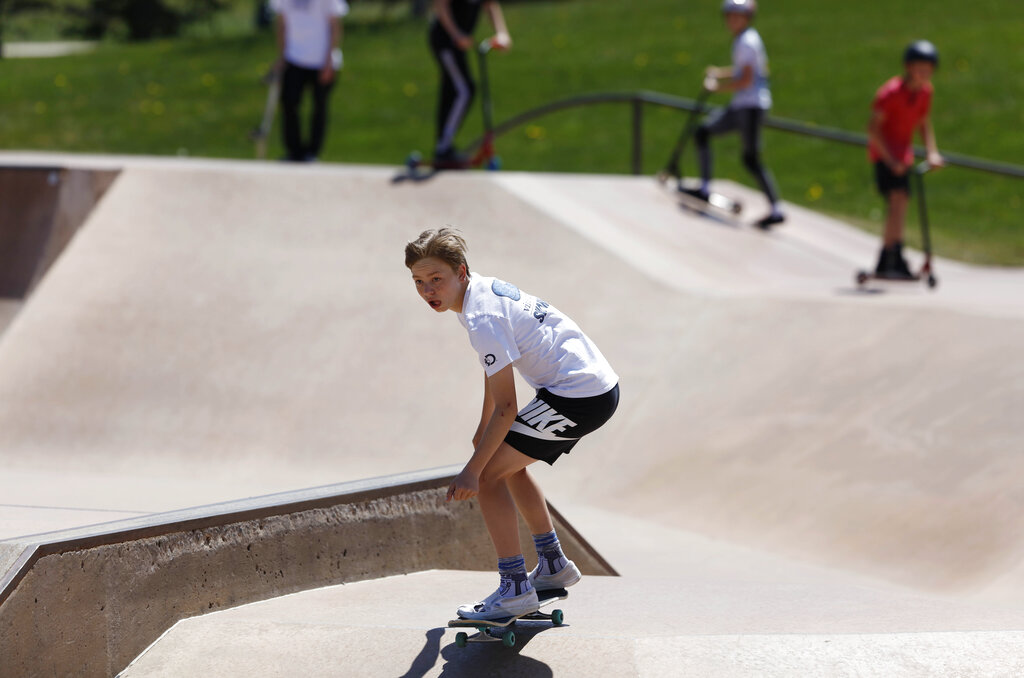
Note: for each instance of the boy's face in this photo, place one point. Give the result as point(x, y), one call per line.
point(736, 21)
point(441, 287)
point(919, 72)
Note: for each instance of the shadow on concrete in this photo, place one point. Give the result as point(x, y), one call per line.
point(480, 659)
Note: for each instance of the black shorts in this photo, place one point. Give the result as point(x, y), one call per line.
point(888, 182)
point(551, 425)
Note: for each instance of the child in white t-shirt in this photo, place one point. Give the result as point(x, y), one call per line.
point(577, 392)
point(309, 47)
point(747, 78)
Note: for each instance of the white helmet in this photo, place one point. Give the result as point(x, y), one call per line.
point(739, 6)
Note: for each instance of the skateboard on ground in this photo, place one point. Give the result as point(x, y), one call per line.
point(926, 274)
point(716, 201)
point(272, 79)
point(501, 629)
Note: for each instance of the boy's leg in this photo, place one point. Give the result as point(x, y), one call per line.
point(553, 569)
point(318, 123)
point(895, 217)
point(515, 594)
point(292, 83)
point(720, 122)
point(498, 505)
point(456, 94)
point(750, 133)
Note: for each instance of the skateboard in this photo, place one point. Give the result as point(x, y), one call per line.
point(717, 206)
point(272, 79)
point(501, 629)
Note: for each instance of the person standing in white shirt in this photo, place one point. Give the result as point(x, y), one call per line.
point(309, 47)
point(577, 392)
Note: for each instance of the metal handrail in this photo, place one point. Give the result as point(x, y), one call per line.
point(639, 98)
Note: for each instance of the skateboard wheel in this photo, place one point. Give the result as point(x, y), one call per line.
point(508, 639)
point(557, 617)
point(461, 638)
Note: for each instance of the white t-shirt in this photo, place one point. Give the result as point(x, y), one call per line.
point(510, 327)
point(748, 48)
point(307, 26)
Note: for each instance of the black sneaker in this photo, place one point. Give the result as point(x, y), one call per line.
point(450, 159)
point(770, 220)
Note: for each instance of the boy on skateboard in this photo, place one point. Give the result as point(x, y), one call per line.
point(901, 107)
point(451, 35)
point(747, 78)
point(577, 392)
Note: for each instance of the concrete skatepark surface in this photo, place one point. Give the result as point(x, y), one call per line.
point(218, 330)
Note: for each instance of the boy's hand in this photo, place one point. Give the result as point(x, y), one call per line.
point(710, 83)
point(464, 42)
point(502, 41)
point(465, 486)
point(936, 161)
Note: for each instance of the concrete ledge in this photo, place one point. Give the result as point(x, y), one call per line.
point(135, 578)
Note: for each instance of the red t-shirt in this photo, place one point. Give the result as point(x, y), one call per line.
point(904, 109)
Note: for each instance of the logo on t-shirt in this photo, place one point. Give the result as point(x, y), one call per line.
point(504, 289)
point(489, 359)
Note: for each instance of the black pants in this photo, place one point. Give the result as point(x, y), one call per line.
point(748, 122)
point(294, 81)
point(455, 96)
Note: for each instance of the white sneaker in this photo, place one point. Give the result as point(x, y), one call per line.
point(495, 606)
point(564, 578)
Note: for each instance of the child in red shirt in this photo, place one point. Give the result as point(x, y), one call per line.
point(900, 108)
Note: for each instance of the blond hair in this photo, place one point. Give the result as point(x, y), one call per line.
point(446, 244)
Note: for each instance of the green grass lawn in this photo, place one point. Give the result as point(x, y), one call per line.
point(201, 96)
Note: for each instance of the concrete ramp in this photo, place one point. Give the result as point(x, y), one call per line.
point(614, 627)
point(219, 330)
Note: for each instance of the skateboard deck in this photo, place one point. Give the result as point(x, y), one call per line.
point(717, 206)
point(272, 80)
point(495, 630)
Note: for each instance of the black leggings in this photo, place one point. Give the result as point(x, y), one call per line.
point(457, 89)
point(748, 122)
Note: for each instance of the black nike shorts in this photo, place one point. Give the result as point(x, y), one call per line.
point(551, 425)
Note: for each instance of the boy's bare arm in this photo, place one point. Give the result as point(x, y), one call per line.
point(876, 142)
point(485, 413)
point(935, 158)
point(502, 39)
point(728, 79)
point(502, 389)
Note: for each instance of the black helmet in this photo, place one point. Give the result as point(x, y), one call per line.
point(921, 50)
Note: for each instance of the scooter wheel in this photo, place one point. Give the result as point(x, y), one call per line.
point(932, 281)
point(414, 160)
point(494, 163)
point(862, 277)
